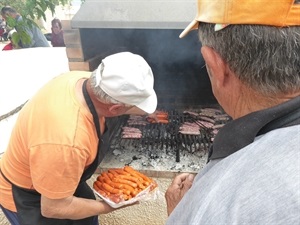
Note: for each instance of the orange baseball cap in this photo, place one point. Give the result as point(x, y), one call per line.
point(280, 13)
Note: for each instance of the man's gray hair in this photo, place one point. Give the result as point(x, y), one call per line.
point(265, 58)
point(99, 93)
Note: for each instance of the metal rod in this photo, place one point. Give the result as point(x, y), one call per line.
point(177, 155)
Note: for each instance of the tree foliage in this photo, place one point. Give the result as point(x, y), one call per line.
point(34, 9)
point(30, 10)
point(17, 4)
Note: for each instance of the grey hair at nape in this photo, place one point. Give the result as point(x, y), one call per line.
point(265, 58)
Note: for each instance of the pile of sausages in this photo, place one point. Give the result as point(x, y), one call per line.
point(161, 117)
point(122, 184)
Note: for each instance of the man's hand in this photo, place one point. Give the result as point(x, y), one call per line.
point(180, 185)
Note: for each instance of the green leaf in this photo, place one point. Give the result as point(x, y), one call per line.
point(15, 38)
point(43, 5)
point(25, 38)
point(11, 22)
point(41, 13)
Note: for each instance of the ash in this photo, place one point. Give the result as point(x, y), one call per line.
point(162, 160)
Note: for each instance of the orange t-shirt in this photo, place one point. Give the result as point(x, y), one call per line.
point(53, 141)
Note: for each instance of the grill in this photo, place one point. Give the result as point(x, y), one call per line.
point(164, 142)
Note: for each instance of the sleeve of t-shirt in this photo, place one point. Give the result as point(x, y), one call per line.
point(56, 169)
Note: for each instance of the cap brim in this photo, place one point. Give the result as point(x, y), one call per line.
point(192, 26)
point(149, 104)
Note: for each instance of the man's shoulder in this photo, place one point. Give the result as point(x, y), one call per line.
point(278, 138)
point(253, 184)
point(78, 74)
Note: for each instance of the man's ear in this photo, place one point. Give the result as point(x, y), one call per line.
point(215, 63)
point(116, 109)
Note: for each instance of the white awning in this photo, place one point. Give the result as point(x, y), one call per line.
point(23, 72)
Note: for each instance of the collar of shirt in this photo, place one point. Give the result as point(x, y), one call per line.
point(241, 132)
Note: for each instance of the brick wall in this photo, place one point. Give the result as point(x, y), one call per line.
point(77, 61)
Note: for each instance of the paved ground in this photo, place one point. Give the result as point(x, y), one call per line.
point(3, 220)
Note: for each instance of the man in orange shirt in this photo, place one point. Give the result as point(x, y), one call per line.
point(60, 138)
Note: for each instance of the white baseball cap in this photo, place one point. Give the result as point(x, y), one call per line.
point(128, 78)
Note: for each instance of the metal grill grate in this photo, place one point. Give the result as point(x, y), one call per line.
point(157, 138)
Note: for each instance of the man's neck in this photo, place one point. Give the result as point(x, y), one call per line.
point(250, 101)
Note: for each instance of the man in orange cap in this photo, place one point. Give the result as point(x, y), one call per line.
point(252, 54)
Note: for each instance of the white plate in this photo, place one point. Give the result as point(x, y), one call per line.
point(142, 196)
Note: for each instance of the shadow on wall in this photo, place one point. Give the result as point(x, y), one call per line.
point(177, 64)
